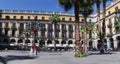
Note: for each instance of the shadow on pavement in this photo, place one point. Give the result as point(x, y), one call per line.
point(94, 53)
point(13, 57)
point(4, 60)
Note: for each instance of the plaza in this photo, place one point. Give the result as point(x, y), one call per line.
point(19, 57)
point(86, 35)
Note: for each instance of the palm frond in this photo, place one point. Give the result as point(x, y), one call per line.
point(66, 4)
point(86, 8)
point(82, 29)
point(55, 18)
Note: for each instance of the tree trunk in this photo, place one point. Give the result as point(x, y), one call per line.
point(85, 35)
point(103, 28)
point(77, 30)
point(99, 27)
point(90, 32)
point(54, 37)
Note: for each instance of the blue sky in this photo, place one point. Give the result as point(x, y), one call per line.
point(39, 5)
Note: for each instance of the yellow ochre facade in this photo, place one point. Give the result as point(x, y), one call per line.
point(14, 22)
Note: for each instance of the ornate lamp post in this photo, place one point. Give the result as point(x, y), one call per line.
point(34, 29)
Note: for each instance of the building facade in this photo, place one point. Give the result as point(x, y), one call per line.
point(14, 22)
point(112, 34)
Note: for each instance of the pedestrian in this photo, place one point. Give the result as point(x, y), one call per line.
point(34, 49)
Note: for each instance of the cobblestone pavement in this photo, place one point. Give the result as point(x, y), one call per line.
point(23, 57)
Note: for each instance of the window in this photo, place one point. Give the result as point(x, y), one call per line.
point(90, 20)
point(14, 24)
point(109, 13)
point(42, 26)
point(82, 20)
point(70, 34)
point(13, 32)
point(50, 26)
point(36, 18)
point(63, 34)
point(63, 27)
point(36, 33)
point(6, 24)
point(21, 17)
point(63, 19)
point(14, 17)
point(57, 34)
point(28, 17)
point(43, 18)
point(116, 8)
point(7, 17)
point(6, 32)
point(70, 19)
point(57, 27)
point(43, 33)
point(0, 16)
point(70, 27)
point(22, 25)
point(49, 34)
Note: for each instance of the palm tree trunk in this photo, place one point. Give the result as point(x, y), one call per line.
point(77, 34)
point(99, 26)
point(103, 28)
point(90, 32)
point(104, 14)
point(54, 37)
point(85, 35)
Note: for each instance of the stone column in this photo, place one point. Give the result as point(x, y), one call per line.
point(67, 32)
point(115, 42)
point(10, 31)
point(60, 33)
point(73, 31)
point(108, 44)
point(46, 25)
point(17, 31)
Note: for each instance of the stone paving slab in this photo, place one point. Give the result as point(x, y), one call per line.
point(19, 57)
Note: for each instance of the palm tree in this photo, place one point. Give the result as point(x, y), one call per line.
point(104, 15)
point(98, 2)
point(90, 28)
point(103, 23)
point(55, 18)
point(67, 5)
point(117, 25)
point(86, 9)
